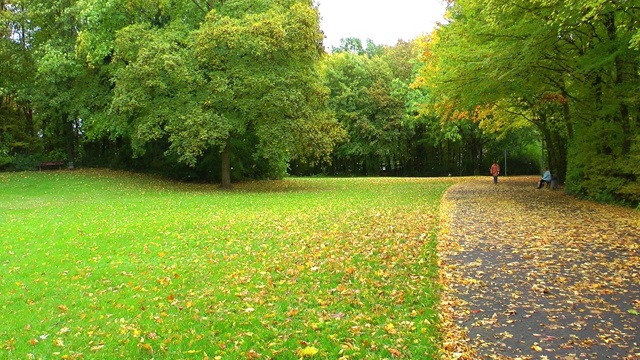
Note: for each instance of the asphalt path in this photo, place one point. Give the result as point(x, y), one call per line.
point(538, 274)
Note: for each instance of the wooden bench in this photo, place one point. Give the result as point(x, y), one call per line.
point(47, 164)
point(553, 184)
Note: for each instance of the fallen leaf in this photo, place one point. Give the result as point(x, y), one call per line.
point(308, 351)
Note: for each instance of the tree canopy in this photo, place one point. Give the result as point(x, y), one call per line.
point(244, 89)
point(569, 68)
point(178, 80)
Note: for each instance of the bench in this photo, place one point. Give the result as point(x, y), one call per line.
point(47, 164)
point(553, 184)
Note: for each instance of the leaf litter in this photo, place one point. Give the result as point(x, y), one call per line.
point(537, 274)
point(301, 268)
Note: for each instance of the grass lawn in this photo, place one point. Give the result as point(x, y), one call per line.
point(103, 265)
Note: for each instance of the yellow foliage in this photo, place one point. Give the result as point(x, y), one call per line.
point(308, 351)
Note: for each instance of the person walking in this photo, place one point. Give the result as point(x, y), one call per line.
point(495, 171)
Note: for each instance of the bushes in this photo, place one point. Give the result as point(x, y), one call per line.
point(599, 168)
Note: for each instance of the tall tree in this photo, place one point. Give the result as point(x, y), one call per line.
point(370, 103)
point(18, 133)
point(249, 69)
point(478, 60)
point(565, 66)
point(603, 156)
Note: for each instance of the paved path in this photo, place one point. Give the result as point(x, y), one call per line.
point(537, 274)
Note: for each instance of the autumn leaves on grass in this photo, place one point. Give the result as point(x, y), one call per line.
point(136, 267)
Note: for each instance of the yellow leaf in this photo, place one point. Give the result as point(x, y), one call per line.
point(390, 329)
point(10, 345)
point(308, 351)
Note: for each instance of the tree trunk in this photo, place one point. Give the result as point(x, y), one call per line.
point(28, 114)
point(226, 165)
point(625, 74)
point(625, 71)
point(556, 146)
point(71, 144)
point(566, 112)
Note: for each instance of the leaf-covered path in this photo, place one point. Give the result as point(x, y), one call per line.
point(537, 274)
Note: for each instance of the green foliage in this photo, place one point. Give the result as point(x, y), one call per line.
point(570, 69)
point(159, 93)
point(598, 169)
point(15, 139)
point(354, 46)
point(369, 102)
point(123, 77)
point(239, 74)
point(168, 84)
point(5, 158)
point(24, 162)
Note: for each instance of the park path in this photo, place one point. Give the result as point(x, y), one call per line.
point(537, 274)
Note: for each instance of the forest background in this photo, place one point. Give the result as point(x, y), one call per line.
point(210, 90)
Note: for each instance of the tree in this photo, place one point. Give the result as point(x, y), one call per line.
point(244, 70)
point(603, 154)
point(268, 81)
point(18, 138)
point(354, 45)
point(564, 67)
point(370, 104)
point(107, 43)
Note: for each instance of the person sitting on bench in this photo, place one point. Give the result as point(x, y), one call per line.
point(546, 178)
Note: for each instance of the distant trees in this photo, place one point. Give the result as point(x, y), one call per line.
point(380, 98)
point(369, 108)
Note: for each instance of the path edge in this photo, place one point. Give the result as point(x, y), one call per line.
point(455, 339)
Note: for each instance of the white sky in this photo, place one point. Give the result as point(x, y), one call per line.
point(384, 22)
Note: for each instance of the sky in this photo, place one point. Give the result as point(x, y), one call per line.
point(384, 22)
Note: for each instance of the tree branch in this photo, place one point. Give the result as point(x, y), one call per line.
point(199, 6)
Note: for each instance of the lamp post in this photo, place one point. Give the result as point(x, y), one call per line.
point(505, 162)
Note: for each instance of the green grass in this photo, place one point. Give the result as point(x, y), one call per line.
point(103, 265)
